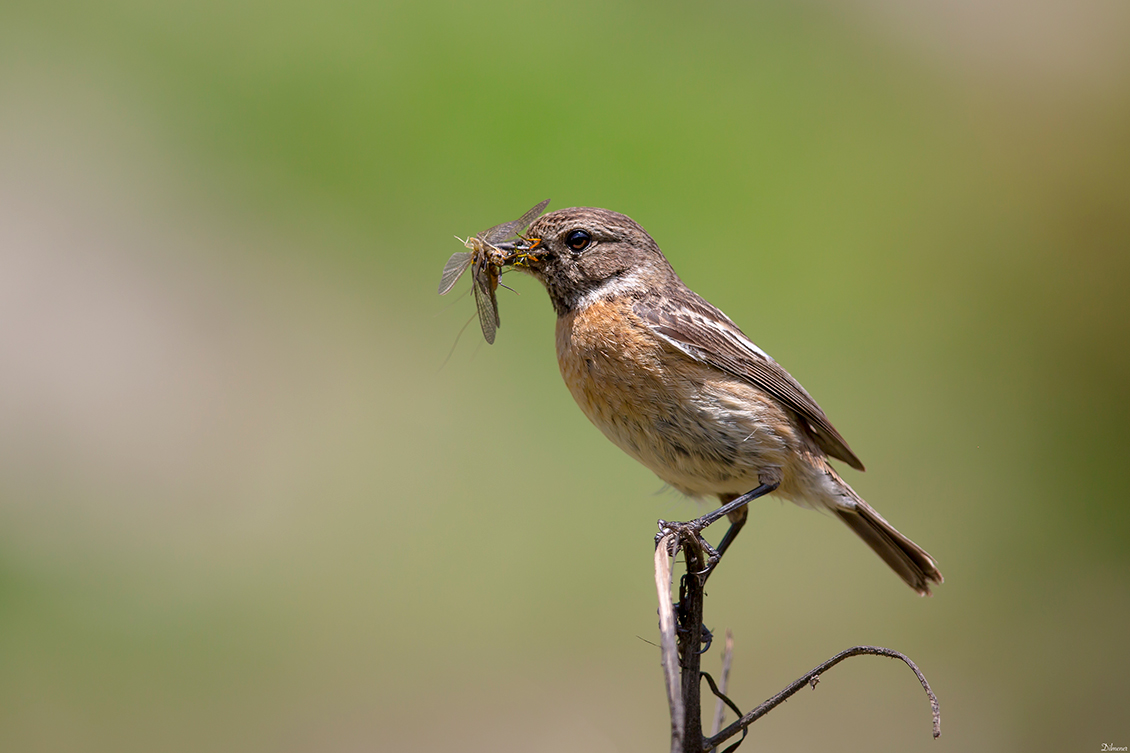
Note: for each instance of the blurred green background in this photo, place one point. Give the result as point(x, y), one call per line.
point(246, 504)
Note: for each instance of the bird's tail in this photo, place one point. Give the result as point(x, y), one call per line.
point(906, 558)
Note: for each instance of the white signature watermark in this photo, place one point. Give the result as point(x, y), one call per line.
point(1112, 746)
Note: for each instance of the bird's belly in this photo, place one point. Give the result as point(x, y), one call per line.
point(698, 429)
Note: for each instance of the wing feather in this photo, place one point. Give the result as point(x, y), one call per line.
point(704, 333)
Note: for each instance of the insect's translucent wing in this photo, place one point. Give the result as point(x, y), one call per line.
point(485, 301)
point(491, 285)
point(499, 233)
point(453, 270)
point(525, 220)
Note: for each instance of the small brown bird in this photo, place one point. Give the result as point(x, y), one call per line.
point(675, 384)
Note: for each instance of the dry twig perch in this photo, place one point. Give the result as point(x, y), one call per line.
point(681, 639)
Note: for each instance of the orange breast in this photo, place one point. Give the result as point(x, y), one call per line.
point(611, 363)
point(699, 429)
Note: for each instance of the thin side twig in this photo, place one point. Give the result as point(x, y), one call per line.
point(663, 555)
point(813, 677)
point(723, 682)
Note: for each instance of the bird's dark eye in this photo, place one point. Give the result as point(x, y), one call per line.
point(578, 240)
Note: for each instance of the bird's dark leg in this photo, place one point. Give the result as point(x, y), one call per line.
point(735, 507)
point(737, 520)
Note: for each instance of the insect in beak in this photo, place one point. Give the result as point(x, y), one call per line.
point(487, 253)
point(518, 253)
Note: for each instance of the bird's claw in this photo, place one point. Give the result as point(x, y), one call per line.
point(690, 533)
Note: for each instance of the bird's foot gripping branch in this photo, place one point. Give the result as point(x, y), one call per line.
point(683, 640)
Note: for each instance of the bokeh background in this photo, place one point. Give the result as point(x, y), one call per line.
point(256, 493)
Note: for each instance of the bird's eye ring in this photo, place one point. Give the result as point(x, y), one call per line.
point(578, 240)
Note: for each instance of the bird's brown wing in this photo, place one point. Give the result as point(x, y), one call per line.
point(698, 329)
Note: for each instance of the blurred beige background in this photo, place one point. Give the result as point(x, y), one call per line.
point(246, 504)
